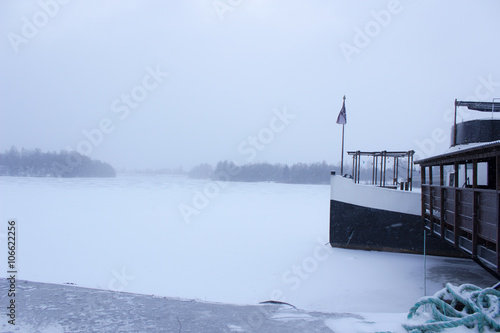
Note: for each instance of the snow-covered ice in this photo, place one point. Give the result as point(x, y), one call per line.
point(244, 243)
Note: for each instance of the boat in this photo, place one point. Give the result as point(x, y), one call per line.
point(382, 213)
point(460, 191)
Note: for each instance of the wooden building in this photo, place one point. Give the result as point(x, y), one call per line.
point(461, 188)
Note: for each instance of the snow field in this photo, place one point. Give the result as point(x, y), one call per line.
point(253, 242)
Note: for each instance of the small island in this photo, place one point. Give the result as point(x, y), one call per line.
point(35, 163)
point(298, 173)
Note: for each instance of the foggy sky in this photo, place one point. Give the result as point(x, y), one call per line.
point(152, 84)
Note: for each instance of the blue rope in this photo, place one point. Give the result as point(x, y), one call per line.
point(478, 308)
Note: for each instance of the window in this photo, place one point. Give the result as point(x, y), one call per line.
point(482, 174)
point(463, 177)
point(436, 175)
point(426, 174)
point(449, 175)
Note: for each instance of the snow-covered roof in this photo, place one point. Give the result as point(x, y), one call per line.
point(460, 149)
point(468, 146)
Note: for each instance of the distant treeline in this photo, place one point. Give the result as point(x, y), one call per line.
point(162, 171)
point(35, 163)
point(300, 173)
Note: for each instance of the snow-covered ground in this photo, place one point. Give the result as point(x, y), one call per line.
point(240, 243)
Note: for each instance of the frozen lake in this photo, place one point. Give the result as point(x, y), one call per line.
point(238, 243)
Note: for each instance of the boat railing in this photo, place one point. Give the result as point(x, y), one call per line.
point(389, 169)
point(464, 217)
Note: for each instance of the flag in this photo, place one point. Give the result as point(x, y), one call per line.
point(342, 118)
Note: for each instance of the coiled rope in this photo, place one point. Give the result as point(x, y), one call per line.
point(452, 306)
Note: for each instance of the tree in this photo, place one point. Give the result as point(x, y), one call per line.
point(35, 163)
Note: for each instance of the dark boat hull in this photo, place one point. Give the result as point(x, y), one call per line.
point(373, 218)
point(364, 228)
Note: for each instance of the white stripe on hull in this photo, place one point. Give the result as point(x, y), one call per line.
point(345, 190)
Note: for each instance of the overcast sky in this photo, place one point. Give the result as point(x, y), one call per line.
point(157, 84)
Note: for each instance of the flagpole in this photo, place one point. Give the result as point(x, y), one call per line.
point(342, 157)
point(342, 119)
